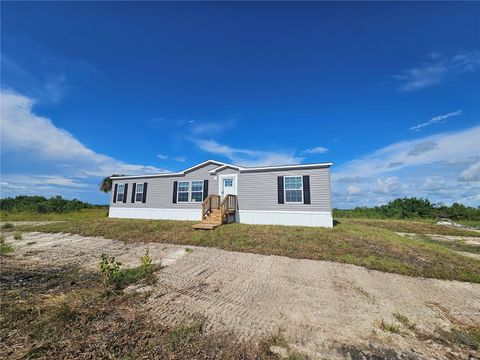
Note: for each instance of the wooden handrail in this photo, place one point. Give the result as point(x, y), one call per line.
point(229, 203)
point(211, 202)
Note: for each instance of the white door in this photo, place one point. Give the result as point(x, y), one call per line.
point(227, 185)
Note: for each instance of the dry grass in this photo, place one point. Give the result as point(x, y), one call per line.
point(67, 314)
point(351, 241)
point(416, 227)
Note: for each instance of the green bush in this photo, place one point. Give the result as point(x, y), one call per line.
point(17, 236)
point(42, 205)
point(412, 208)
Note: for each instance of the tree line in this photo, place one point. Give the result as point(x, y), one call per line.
point(41, 205)
point(412, 208)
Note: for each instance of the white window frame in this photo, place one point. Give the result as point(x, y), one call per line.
point(191, 191)
point(285, 189)
point(188, 192)
point(139, 192)
point(122, 193)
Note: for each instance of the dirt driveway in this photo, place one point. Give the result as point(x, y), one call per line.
point(324, 310)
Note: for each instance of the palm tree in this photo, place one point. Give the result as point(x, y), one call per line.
point(106, 184)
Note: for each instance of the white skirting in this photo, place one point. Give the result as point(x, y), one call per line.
point(155, 214)
point(299, 218)
point(266, 217)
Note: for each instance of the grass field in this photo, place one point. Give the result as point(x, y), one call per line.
point(369, 243)
point(95, 213)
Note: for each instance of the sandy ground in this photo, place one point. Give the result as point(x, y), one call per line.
point(468, 240)
point(324, 310)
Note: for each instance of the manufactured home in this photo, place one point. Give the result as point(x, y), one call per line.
point(215, 193)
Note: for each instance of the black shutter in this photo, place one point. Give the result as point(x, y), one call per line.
point(134, 187)
point(125, 192)
point(144, 197)
point(306, 189)
point(115, 193)
point(205, 189)
point(175, 184)
point(280, 190)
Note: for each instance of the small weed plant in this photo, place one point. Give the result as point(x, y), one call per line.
point(113, 274)
point(146, 261)
point(17, 236)
point(4, 248)
point(390, 327)
point(7, 226)
point(109, 268)
point(405, 321)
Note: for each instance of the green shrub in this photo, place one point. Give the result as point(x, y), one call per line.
point(42, 205)
point(17, 236)
point(412, 208)
point(7, 226)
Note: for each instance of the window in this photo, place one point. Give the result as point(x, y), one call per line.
point(183, 189)
point(139, 193)
point(293, 189)
point(197, 191)
point(120, 192)
point(228, 182)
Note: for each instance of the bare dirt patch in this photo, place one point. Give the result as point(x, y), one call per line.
point(322, 309)
point(463, 245)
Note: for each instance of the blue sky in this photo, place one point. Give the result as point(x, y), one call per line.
point(387, 91)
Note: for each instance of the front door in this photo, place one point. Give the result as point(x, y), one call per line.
point(228, 185)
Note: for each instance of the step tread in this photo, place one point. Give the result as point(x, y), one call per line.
point(205, 226)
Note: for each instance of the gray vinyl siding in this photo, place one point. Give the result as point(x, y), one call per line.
point(258, 190)
point(160, 190)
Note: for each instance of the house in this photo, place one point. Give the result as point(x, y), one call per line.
point(280, 195)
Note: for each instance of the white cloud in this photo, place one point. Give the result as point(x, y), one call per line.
point(421, 148)
point(388, 186)
point(443, 167)
point(452, 147)
point(209, 128)
point(316, 150)
point(437, 70)
point(176, 158)
point(436, 119)
point(39, 145)
point(354, 190)
point(472, 173)
point(421, 77)
point(246, 157)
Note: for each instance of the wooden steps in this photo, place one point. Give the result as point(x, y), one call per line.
point(216, 212)
point(211, 221)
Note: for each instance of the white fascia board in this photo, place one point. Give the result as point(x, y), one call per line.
point(287, 167)
point(167, 174)
point(226, 166)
